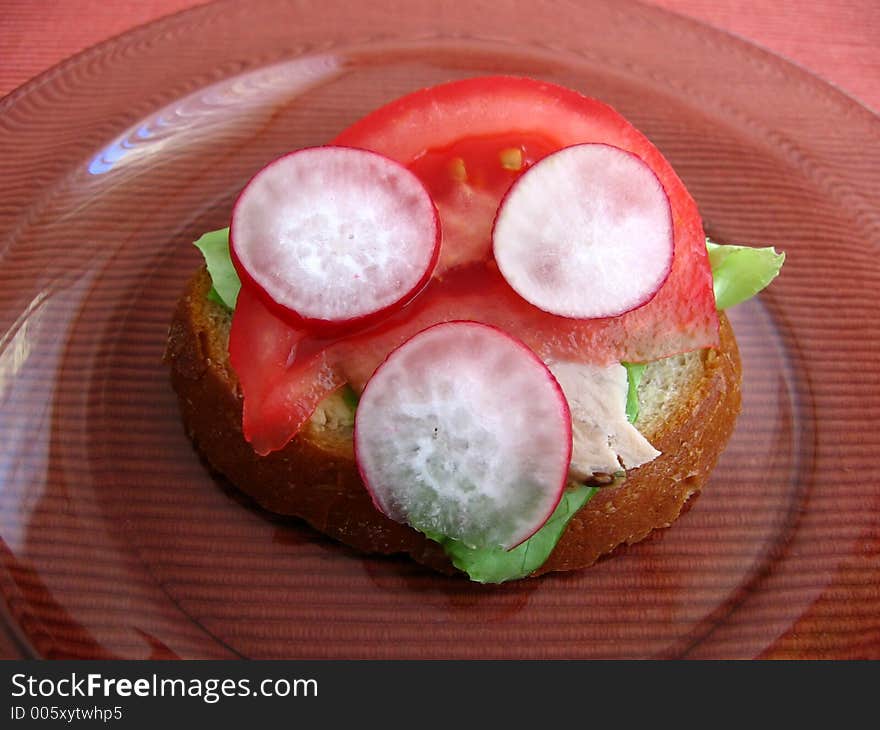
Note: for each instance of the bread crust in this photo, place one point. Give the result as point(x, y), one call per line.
point(318, 481)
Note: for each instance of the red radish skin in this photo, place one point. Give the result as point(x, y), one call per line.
point(333, 237)
point(585, 233)
point(464, 432)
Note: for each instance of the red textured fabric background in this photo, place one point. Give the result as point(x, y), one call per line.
point(836, 39)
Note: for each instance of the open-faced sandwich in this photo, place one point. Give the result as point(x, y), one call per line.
point(482, 326)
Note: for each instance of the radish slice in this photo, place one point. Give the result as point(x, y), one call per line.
point(586, 232)
point(464, 432)
point(334, 235)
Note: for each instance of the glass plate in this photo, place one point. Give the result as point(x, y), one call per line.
point(117, 543)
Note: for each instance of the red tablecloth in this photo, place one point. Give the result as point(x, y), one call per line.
point(837, 39)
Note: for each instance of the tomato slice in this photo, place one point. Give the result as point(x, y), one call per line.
point(468, 141)
point(467, 180)
point(280, 390)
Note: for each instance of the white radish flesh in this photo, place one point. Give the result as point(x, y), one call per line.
point(586, 232)
point(335, 234)
point(464, 432)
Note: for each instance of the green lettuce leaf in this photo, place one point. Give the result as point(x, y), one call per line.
point(634, 372)
point(350, 396)
point(226, 285)
point(495, 565)
point(740, 272)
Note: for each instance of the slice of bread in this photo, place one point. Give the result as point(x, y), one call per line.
point(689, 404)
